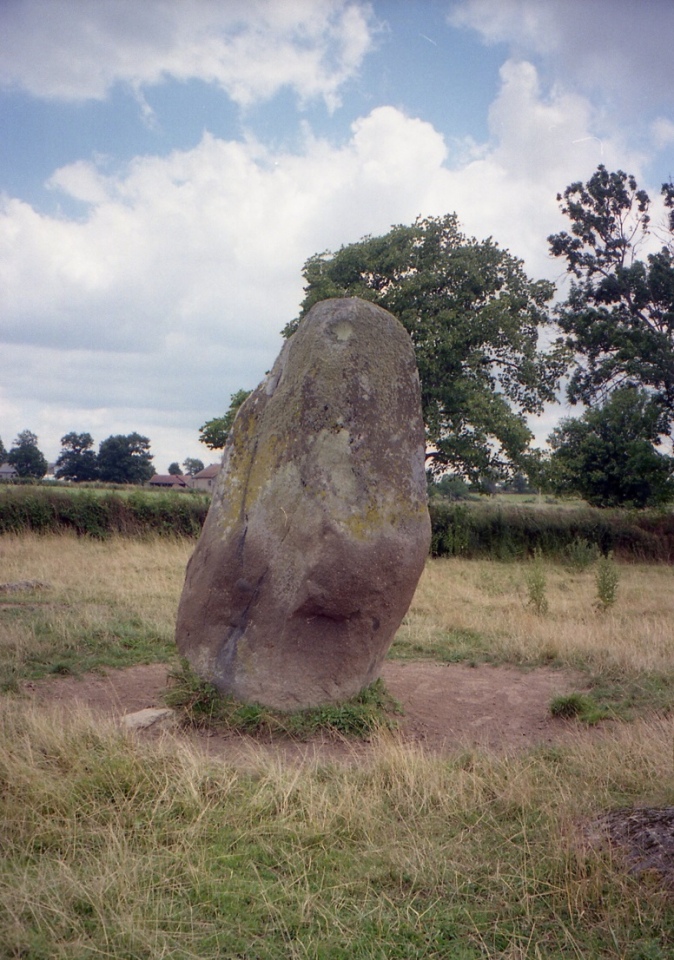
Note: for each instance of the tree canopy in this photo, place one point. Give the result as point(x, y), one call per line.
point(608, 456)
point(214, 432)
point(474, 318)
point(3, 452)
point(26, 458)
point(619, 314)
point(125, 459)
point(77, 460)
point(193, 466)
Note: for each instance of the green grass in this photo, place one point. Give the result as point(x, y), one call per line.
point(101, 637)
point(626, 698)
point(579, 706)
point(200, 705)
point(455, 646)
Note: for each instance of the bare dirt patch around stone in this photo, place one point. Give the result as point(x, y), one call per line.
point(447, 707)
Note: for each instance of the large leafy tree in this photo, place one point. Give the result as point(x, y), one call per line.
point(77, 460)
point(125, 459)
point(193, 466)
point(609, 457)
point(214, 432)
point(26, 458)
point(619, 314)
point(3, 452)
point(474, 318)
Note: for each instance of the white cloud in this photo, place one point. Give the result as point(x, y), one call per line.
point(662, 130)
point(170, 290)
point(70, 50)
point(539, 144)
point(619, 47)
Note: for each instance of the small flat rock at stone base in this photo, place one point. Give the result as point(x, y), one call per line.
point(150, 717)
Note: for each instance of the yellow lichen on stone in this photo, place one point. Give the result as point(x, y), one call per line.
point(342, 330)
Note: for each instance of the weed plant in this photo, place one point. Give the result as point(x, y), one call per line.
point(581, 554)
point(607, 579)
point(536, 582)
point(200, 705)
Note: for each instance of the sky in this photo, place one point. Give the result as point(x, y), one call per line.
point(167, 167)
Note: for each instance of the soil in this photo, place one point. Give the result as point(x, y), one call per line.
point(447, 707)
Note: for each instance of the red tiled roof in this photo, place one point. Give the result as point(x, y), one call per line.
point(208, 472)
point(167, 480)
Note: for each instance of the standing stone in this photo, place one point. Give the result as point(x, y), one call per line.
point(318, 529)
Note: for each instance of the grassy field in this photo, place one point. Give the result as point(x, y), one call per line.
point(119, 849)
point(107, 604)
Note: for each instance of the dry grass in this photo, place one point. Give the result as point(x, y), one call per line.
point(117, 849)
point(113, 603)
point(108, 603)
point(488, 602)
point(143, 575)
point(114, 849)
point(141, 581)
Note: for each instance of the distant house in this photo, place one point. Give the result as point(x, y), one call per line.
point(205, 479)
point(168, 480)
point(7, 472)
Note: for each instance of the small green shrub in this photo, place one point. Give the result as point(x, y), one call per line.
point(581, 554)
point(578, 706)
point(607, 579)
point(202, 706)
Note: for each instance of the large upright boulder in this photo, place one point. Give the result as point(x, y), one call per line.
point(318, 529)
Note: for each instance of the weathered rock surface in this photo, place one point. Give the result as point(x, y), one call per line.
point(318, 529)
point(149, 717)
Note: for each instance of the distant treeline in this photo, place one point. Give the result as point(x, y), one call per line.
point(475, 530)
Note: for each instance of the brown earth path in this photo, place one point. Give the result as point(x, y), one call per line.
point(447, 707)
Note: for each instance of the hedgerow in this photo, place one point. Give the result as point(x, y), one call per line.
point(470, 530)
point(101, 513)
point(512, 532)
